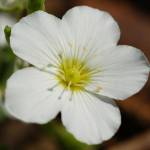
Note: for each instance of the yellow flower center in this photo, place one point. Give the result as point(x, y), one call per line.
point(73, 74)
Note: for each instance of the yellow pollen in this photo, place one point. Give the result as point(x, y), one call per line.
point(73, 74)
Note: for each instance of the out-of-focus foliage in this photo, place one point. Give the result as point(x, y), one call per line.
point(7, 61)
point(34, 5)
point(12, 5)
point(18, 6)
point(3, 115)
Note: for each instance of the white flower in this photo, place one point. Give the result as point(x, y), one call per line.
point(78, 71)
point(5, 19)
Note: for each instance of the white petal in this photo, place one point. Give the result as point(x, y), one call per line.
point(91, 119)
point(124, 71)
point(91, 28)
point(29, 98)
point(5, 19)
point(37, 39)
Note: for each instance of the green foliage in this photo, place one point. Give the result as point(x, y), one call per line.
point(7, 60)
point(15, 6)
point(3, 147)
point(34, 5)
point(3, 114)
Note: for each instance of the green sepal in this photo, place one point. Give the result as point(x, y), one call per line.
point(7, 32)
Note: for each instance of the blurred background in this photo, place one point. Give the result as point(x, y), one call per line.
point(133, 17)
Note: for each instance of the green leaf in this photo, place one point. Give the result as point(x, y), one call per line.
point(7, 31)
point(34, 5)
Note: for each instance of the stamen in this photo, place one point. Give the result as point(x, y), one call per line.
point(61, 94)
point(51, 65)
point(70, 99)
point(69, 84)
point(52, 88)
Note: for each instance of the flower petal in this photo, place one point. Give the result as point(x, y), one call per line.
point(91, 28)
point(89, 118)
point(124, 71)
point(29, 98)
point(37, 39)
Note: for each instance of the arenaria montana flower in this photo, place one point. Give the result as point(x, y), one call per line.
point(78, 70)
